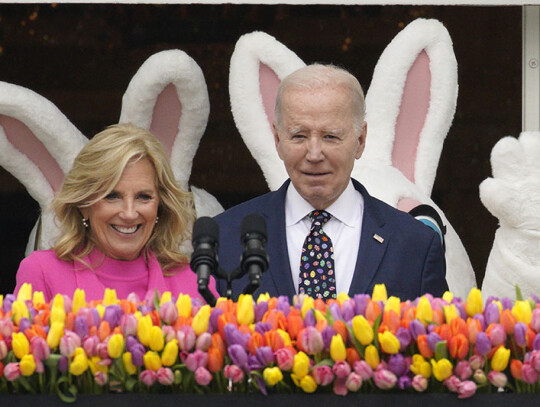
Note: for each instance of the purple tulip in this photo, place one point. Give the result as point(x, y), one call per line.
point(466, 389)
point(347, 310)
point(323, 375)
point(80, 326)
point(417, 328)
point(309, 318)
point(202, 376)
point(404, 382)
point(492, 313)
point(360, 303)
point(397, 364)
point(507, 303)
point(63, 364)
point(95, 317)
point(168, 312)
point(112, 315)
point(214, 316)
point(196, 359)
point(433, 339)
point(327, 335)
point(233, 336)
point(9, 299)
point(238, 355)
point(137, 352)
point(335, 311)
point(520, 330)
point(253, 363)
point(283, 305)
point(483, 344)
point(404, 337)
point(262, 327)
point(24, 324)
point(260, 310)
point(264, 355)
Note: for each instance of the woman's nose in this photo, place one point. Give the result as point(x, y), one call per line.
point(128, 210)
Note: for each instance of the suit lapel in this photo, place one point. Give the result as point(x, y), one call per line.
point(276, 247)
point(373, 243)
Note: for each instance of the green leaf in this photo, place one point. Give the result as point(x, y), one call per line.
point(440, 350)
point(156, 299)
point(519, 295)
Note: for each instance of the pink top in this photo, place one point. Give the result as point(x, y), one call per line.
point(50, 275)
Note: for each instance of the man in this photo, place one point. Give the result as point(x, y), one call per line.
point(319, 131)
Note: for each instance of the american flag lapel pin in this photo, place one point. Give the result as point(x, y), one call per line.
point(378, 238)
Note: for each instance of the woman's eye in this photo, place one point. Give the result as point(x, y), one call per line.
point(111, 196)
point(145, 197)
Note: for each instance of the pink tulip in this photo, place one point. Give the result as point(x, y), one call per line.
point(196, 359)
point(204, 341)
point(186, 338)
point(285, 359)
point(39, 348)
point(419, 383)
point(497, 335)
point(128, 325)
point(69, 342)
point(466, 389)
point(363, 369)
point(12, 371)
point(463, 370)
point(168, 312)
point(168, 332)
point(3, 349)
point(535, 320)
point(101, 378)
point(529, 374)
point(102, 351)
point(479, 376)
point(341, 369)
point(311, 340)
point(353, 382)
point(202, 376)
point(497, 379)
point(40, 368)
point(323, 375)
point(148, 377)
point(452, 383)
point(339, 387)
point(535, 360)
point(476, 362)
point(165, 376)
point(233, 373)
point(384, 379)
point(6, 327)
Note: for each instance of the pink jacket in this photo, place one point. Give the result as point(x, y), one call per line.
point(50, 275)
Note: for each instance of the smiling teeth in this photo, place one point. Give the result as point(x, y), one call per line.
point(126, 230)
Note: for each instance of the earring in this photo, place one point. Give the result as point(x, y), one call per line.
point(157, 219)
point(85, 223)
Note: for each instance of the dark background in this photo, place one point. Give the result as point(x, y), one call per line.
point(82, 57)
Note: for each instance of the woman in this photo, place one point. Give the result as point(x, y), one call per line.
point(122, 219)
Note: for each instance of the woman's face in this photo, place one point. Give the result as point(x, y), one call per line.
point(122, 222)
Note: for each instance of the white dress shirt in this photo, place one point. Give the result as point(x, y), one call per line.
point(344, 229)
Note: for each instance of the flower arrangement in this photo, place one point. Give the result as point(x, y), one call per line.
point(361, 344)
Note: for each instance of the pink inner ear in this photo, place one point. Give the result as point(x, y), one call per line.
point(166, 117)
point(268, 83)
point(413, 112)
point(22, 138)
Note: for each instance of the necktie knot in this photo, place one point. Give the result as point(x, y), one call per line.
point(319, 218)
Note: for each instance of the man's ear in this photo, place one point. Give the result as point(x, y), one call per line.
point(361, 141)
point(276, 139)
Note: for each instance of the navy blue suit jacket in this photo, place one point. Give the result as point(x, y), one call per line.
point(409, 261)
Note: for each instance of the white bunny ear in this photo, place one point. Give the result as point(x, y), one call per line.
point(168, 96)
point(411, 102)
point(258, 64)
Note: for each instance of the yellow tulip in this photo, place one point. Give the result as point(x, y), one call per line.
point(115, 346)
point(450, 313)
point(338, 352)
point(522, 311)
point(308, 384)
point(245, 314)
point(20, 310)
point(319, 316)
point(442, 369)
point(474, 302)
point(183, 305)
point(1, 301)
point(342, 297)
point(110, 298)
point(100, 309)
point(307, 304)
point(58, 311)
point(448, 296)
point(379, 293)
point(285, 336)
point(130, 368)
point(300, 365)
point(371, 356)
point(272, 375)
point(38, 298)
point(263, 297)
point(96, 366)
point(362, 330)
point(394, 304)
point(143, 329)
point(79, 300)
point(58, 301)
point(79, 364)
point(201, 320)
point(500, 358)
point(424, 312)
point(25, 292)
point(152, 361)
point(170, 353)
point(55, 333)
point(157, 341)
point(165, 297)
point(389, 343)
point(420, 366)
point(20, 344)
point(27, 365)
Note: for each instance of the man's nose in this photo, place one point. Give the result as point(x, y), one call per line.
point(314, 150)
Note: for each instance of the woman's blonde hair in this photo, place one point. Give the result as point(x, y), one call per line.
point(95, 173)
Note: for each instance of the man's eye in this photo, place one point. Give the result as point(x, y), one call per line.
point(298, 136)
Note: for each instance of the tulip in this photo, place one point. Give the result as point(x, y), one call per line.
point(101, 378)
point(417, 328)
point(483, 344)
point(6, 327)
point(450, 312)
point(272, 375)
point(128, 325)
point(522, 311)
point(143, 330)
point(341, 369)
point(170, 353)
point(80, 326)
point(398, 365)
point(27, 365)
point(168, 313)
point(97, 364)
point(442, 369)
point(69, 342)
point(202, 376)
point(113, 314)
point(384, 379)
point(311, 340)
point(38, 348)
point(323, 375)
point(520, 330)
point(466, 389)
point(423, 346)
point(233, 373)
point(79, 364)
point(110, 297)
point(238, 355)
point(165, 376)
point(129, 367)
point(528, 373)
point(362, 368)
point(492, 313)
point(404, 337)
point(337, 349)
point(152, 361)
point(58, 312)
point(245, 313)
point(363, 331)
point(458, 346)
point(388, 342)
point(515, 369)
point(473, 305)
point(20, 310)
point(500, 358)
point(393, 304)
point(497, 379)
point(186, 338)
point(497, 334)
point(79, 300)
point(420, 366)
point(424, 311)
point(148, 377)
point(452, 383)
point(463, 370)
point(508, 321)
point(196, 359)
point(372, 356)
point(307, 384)
point(115, 346)
point(204, 341)
point(476, 362)
point(12, 372)
point(354, 382)
point(419, 383)
point(20, 345)
point(535, 320)
point(301, 365)
point(90, 344)
point(25, 292)
point(264, 355)
point(201, 320)
point(379, 293)
point(184, 305)
point(156, 341)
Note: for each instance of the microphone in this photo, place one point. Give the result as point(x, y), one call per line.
point(254, 260)
point(204, 257)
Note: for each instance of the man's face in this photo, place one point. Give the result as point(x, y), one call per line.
point(318, 143)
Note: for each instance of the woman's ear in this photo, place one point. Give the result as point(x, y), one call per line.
point(85, 212)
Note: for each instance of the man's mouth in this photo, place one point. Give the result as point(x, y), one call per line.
point(127, 230)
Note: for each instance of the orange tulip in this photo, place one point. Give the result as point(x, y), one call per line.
point(320, 305)
point(390, 321)
point(70, 320)
point(423, 346)
point(473, 327)
point(458, 346)
point(217, 342)
point(458, 326)
point(373, 310)
point(444, 332)
point(515, 369)
point(104, 330)
point(294, 323)
point(352, 355)
point(438, 316)
point(215, 360)
point(276, 319)
point(530, 335)
point(255, 341)
point(223, 320)
point(274, 340)
point(508, 321)
point(341, 328)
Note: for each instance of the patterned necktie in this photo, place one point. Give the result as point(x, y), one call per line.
point(317, 278)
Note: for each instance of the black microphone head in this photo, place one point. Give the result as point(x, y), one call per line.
point(253, 223)
point(205, 228)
